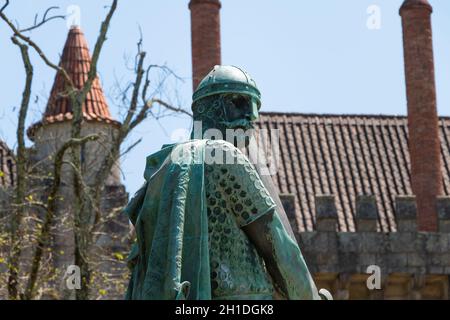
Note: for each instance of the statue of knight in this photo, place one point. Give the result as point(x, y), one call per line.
point(208, 225)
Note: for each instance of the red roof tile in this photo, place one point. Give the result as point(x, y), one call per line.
point(76, 60)
point(346, 155)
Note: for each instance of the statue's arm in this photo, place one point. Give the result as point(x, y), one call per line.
point(282, 257)
point(256, 214)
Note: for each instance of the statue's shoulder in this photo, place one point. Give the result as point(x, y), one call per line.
point(196, 143)
point(226, 147)
point(221, 144)
point(209, 152)
point(224, 152)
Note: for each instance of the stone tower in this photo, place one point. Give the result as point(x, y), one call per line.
point(7, 177)
point(54, 130)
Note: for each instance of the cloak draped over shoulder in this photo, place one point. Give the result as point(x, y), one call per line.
point(170, 259)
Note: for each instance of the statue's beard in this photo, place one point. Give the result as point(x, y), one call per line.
point(238, 124)
point(244, 131)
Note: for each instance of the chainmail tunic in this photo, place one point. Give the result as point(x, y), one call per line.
point(235, 197)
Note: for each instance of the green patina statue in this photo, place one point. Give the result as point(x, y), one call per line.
point(208, 225)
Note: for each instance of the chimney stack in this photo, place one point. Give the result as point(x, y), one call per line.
point(205, 33)
point(424, 143)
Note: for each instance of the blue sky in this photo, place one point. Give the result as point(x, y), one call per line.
point(306, 56)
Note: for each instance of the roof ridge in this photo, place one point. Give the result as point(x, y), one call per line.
point(342, 115)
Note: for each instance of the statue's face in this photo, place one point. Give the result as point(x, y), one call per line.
point(228, 112)
point(240, 111)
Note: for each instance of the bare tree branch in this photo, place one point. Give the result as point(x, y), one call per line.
point(20, 189)
point(97, 49)
point(172, 108)
point(82, 209)
point(32, 44)
point(135, 94)
point(131, 147)
point(50, 211)
point(44, 20)
point(4, 6)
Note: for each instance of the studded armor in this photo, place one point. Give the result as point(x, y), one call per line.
point(235, 197)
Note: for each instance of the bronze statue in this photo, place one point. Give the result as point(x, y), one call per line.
point(208, 225)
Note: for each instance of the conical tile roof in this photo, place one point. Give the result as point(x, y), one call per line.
point(76, 60)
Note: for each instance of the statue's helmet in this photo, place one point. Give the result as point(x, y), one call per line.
point(227, 79)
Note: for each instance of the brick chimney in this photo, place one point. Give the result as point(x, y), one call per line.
point(424, 143)
point(205, 33)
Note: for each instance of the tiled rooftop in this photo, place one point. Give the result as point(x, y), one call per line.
point(76, 60)
point(346, 155)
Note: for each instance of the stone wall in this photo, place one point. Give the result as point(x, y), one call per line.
point(413, 265)
point(7, 166)
point(50, 138)
point(111, 249)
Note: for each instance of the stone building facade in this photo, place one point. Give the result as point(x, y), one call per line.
point(344, 181)
point(364, 190)
point(7, 174)
point(7, 166)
